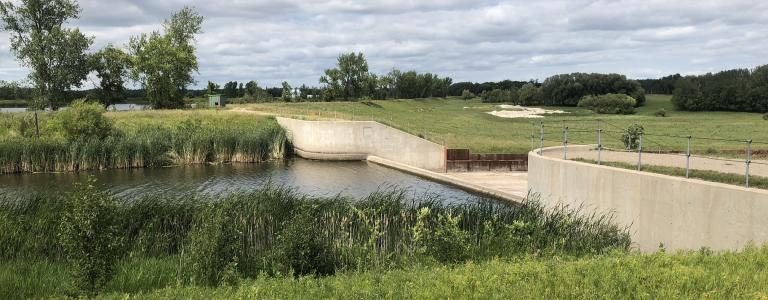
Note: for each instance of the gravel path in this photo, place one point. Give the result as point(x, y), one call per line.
point(757, 168)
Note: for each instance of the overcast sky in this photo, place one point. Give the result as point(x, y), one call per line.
point(469, 40)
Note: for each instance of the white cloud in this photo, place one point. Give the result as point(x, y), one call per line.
point(469, 40)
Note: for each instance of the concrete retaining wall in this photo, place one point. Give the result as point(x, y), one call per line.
point(356, 140)
point(677, 212)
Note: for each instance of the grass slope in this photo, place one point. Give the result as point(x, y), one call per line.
point(466, 124)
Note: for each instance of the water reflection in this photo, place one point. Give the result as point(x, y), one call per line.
point(318, 178)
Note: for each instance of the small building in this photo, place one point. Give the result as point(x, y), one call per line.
point(217, 101)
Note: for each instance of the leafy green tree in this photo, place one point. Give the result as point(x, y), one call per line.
point(230, 89)
point(529, 94)
point(286, 96)
point(55, 55)
point(82, 120)
point(350, 78)
point(164, 62)
point(90, 237)
point(111, 65)
point(213, 88)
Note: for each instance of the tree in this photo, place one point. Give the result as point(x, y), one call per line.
point(286, 96)
point(230, 89)
point(529, 94)
point(55, 55)
point(349, 78)
point(164, 63)
point(213, 88)
point(111, 65)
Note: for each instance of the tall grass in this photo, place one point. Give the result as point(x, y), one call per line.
point(144, 147)
point(267, 231)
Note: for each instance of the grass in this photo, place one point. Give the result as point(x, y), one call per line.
point(144, 139)
point(465, 124)
point(686, 275)
point(708, 175)
point(278, 233)
point(14, 103)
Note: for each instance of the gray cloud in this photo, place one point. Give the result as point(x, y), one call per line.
point(294, 40)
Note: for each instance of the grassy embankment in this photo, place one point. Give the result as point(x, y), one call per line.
point(465, 124)
point(275, 233)
point(141, 139)
point(708, 175)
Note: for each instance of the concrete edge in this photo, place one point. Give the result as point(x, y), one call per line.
point(442, 178)
point(372, 122)
point(330, 156)
point(641, 173)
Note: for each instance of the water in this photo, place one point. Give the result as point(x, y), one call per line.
point(12, 109)
point(114, 107)
point(317, 178)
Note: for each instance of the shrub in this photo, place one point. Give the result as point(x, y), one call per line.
point(303, 249)
point(609, 104)
point(81, 120)
point(497, 96)
point(765, 116)
point(661, 113)
point(631, 138)
point(440, 237)
point(90, 237)
point(466, 95)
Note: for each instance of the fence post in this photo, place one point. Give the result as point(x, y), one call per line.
point(541, 142)
point(599, 146)
point(688, 158)
point(565, 143)
point(640, 152)
point(749, 160)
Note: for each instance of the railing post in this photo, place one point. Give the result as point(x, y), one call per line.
point(748, 161)
point(565, 143)
point(688, 158)
point(541, 141)
point(639, 152)
point(599, 146)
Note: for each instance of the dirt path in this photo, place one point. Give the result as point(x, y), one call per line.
point(735, 166)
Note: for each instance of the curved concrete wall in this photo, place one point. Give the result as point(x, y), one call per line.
point(356, 140)
point(677, 212)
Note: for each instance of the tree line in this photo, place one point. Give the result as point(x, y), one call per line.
point(730, 90)
point(57, 56)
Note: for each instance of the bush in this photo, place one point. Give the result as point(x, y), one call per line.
point(467, 95)
point(568, 89)
point(631, 138)
point(81, 120)
point(765, 117)
point(90, 237)
point(609, 104)
point(440, 237)
point(303, 249)
point(498, 96)
point(661, 113)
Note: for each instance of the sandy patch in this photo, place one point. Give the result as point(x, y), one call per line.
point(517, 111)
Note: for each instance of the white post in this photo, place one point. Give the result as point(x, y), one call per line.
point(565, 143)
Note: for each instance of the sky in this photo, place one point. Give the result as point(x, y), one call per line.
point(271, 41)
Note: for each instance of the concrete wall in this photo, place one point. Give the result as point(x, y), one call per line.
point(677, 212)
point(356, 140)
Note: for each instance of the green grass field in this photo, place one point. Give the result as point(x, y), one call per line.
point(689, 275)
point(465, 124)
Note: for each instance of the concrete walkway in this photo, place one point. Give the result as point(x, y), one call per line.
point(514, 183)
point(735, 166)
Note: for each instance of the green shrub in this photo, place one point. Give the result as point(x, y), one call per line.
point(439, 236)
point(303, 248)
point(660, 113)
point(631, 138)
point(81, 120)
point(467, 95)
point(89, 235)
point(765, 116)
point(609, 104)
point(500, 96)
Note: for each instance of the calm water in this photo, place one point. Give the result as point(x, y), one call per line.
point(354, 179)
point(114, 107)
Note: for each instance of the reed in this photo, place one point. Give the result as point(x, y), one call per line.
point(377, 231)
point(144, 147)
